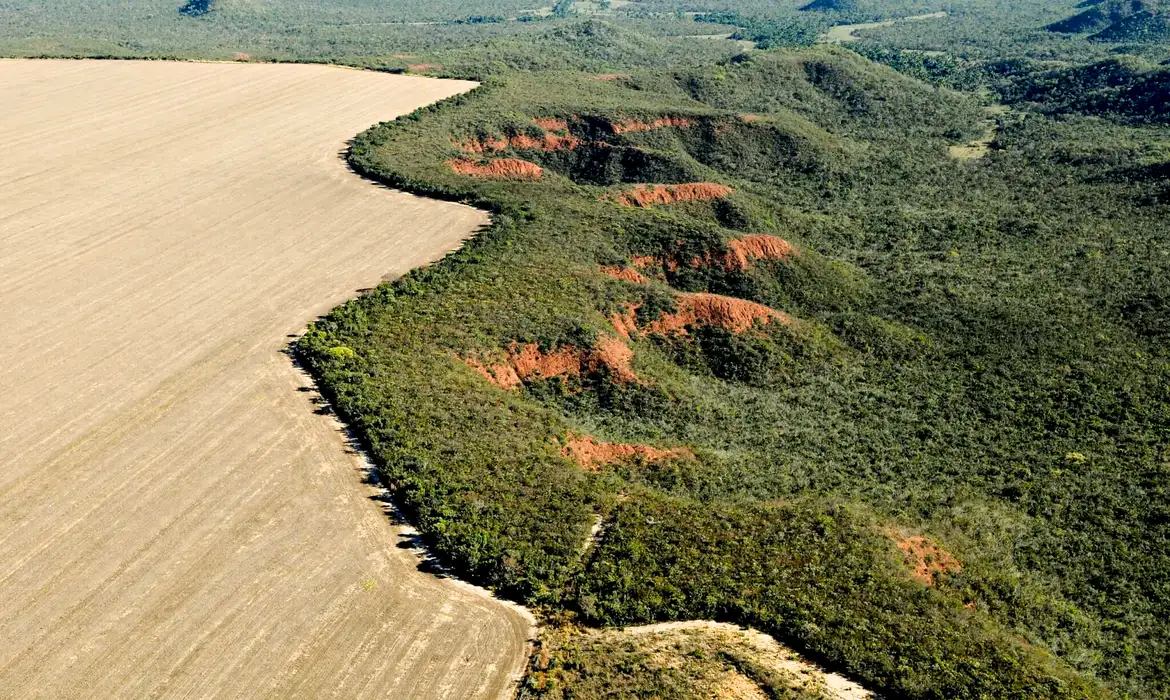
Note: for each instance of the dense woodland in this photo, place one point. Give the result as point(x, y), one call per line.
point(935, 454)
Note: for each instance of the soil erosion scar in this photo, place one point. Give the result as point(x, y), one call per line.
point(174, 519)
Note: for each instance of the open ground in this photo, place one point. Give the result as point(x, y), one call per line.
point(175, 520)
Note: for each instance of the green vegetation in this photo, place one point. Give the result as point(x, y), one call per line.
point(976, 358)
point(967, 358)
point(1119, 20)
point(1129, 89)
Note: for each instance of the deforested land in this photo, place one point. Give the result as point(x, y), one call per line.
point(177, 518)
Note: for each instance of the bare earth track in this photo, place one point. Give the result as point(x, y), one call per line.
point(175, 521)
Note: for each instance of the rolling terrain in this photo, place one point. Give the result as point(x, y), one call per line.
point(811, 372)
point(175, 518)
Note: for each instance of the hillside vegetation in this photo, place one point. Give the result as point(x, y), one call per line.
point(1119, 20)
point(905, 413)
point(1123, 89)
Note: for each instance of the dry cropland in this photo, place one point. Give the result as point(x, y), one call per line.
point(176, 520)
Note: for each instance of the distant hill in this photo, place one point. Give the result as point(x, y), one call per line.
point(830, 6)
point(1126, 90)
point(1145, 26)
point(1118, 20)
point(1099, 15)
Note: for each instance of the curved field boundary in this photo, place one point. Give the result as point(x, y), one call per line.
point(177, 521)
point(846, 33)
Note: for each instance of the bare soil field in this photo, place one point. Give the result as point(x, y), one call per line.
point(175, 519)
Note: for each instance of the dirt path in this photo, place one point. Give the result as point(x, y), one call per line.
point(175, 521)
point(981, 147)
point(845, 33)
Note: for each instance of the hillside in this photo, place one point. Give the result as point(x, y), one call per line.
point(1119, 21)
point(1126, 90)
point(813, 375)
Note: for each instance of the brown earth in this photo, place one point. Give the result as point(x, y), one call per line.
point(647, 195)
point(498, 169)
point(743, 251)
point(424, 67)
point(627, 126)
point(551, 124)
point(527, 362)
point(626, 274)
point(924, 556)
point(702, 309)
point(592, 455)
point(614, 355)
point(175, 520)
point(740, 255)
point(548, 142)
point(645, 261)
point(626, 322)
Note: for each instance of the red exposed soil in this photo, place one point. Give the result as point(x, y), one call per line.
point(548, 142)
point(626, 274)
point(735, 315)
point(503, 376)
point(925, 557)
point(739, 256)
point(647, 195)
point(592, 455)
point(531, 363)
point(422, 67)
point(551, 124)
point(626, 321)
point(526, 362)
point(481, 146)
point(614, 355)
point(498, 169)
point(742, 252)
point(627, 126)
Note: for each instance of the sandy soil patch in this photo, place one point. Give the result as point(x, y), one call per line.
point(845, 33)
point(766, 651)
point(175, 521)
point(980, 148)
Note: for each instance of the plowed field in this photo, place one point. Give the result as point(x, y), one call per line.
point(175, 518)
